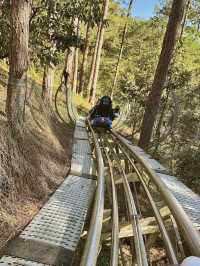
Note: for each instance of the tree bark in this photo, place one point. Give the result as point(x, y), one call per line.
point(75, 59)
point(99, 50)
point(121, 49)
point(158, 128)
point(69, 60)
point(1, 4)
point(75, 71)
point(89, 87)
point(48, 76)
point(18, 61)
point(47, 84)
point(69, 65)
point(84, 62)
point(153, 102)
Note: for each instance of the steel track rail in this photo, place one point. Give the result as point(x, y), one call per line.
point(122, 117)
point(191, 235)
point(178, 237)
point(71, 108)
point(115, 215)
point(158, 217)
point(91, 250)
point(134, 217)
point(68, 95)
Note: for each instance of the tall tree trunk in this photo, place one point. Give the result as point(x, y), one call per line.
point(99, 50)
point(47, 84)
point(69, 65)
point(1, 4)
point(121, 49)
point(89, 87)
point(153, 102)
point(158, 128)
point(69, 59)
point(76, 53)
point(84, 62)
point(48, 75)
point(18, 62)
point(75, 71)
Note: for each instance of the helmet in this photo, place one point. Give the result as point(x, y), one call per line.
point(106, 100)
point(117, 108)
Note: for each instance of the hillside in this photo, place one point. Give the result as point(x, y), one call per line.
point(31, 165)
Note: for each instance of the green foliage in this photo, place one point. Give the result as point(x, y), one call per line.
point(177, 127)
point(137, 66)
point(188, 167)
point(4, 29)
point(51, 21)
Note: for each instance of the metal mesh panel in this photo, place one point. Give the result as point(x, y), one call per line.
point(61, 220)
point(189, 200)
point(81, 147)
point(81, 165)
point(80, 123)
point(9, 261)
point(80, 133)
point(153, 164)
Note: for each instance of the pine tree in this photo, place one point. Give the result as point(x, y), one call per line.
point(169, 42)
point(18, 61)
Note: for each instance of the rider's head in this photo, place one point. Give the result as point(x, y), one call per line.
point(106, 100)
point(117, 109)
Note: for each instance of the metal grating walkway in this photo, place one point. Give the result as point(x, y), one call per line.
point(82, 162)
point(14, 261)
point(81, 147)
point(189, 200)
point(80, 133)
point(61, 220)
point(82, 165)
point(53, 235)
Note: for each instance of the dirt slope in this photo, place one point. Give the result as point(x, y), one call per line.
point(32, 164)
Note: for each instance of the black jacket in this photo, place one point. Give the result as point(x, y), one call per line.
point(101, 111)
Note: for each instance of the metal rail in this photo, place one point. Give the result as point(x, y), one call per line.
point(91, 250)
point(70, 107)
point(90, 253)
point(115, 215)
point(178, 237)
point(190, 233)
point(158, 217)
point(134, 217)
point(122, 118)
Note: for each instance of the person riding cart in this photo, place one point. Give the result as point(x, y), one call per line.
point(102, 114)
